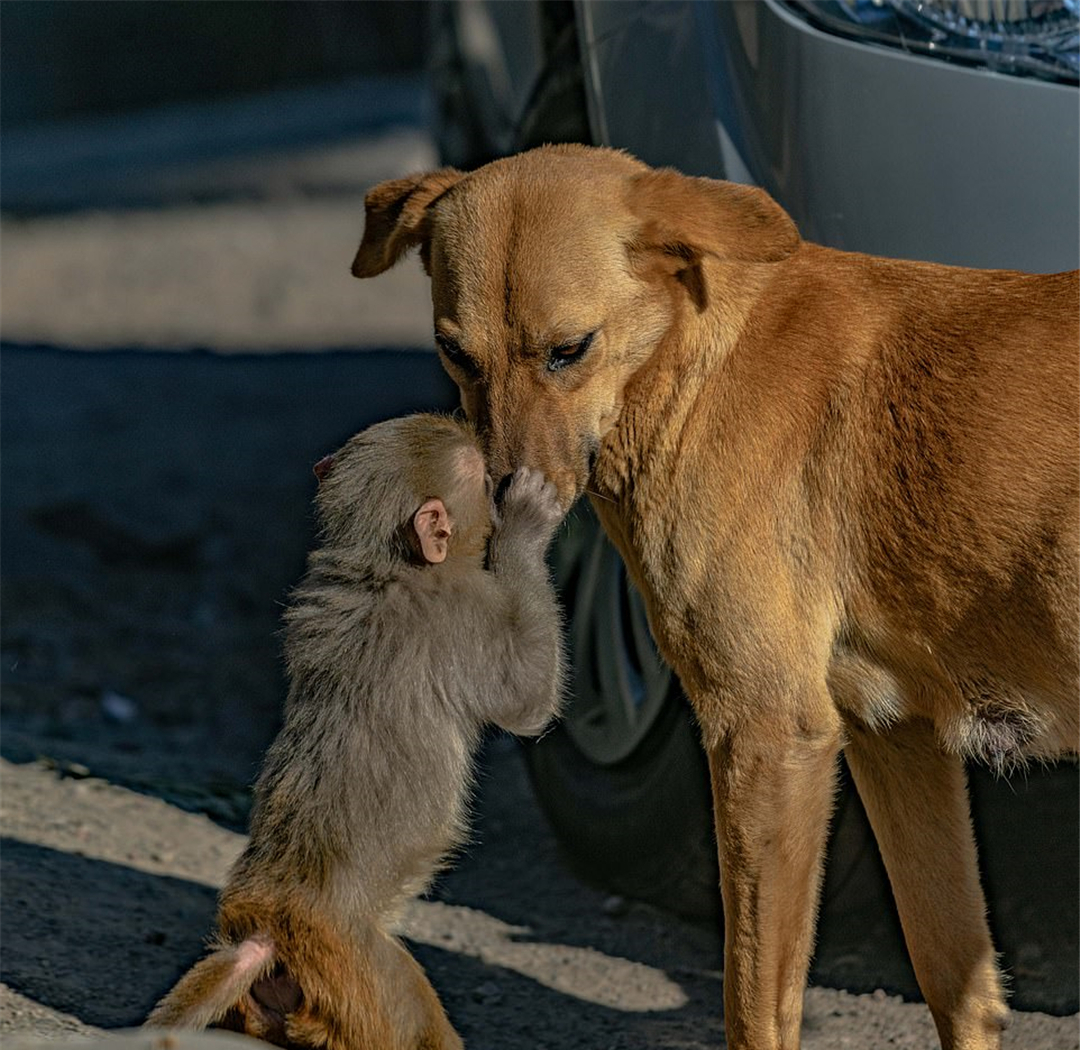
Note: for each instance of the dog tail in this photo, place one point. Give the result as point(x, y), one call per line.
point(216, 984)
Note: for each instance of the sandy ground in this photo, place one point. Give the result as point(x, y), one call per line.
point(559, 972)
point(230, 275)
point(154, 515)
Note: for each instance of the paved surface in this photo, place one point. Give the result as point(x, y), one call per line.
point(258, 207)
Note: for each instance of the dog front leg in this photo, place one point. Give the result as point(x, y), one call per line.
point(916, 798)
point(773, 788)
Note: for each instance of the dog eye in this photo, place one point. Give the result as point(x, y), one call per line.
point(568, 353)
point(451, 350)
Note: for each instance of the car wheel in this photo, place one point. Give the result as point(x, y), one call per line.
point(622, 778)
point(470, 126)
point(473, 121)
point(557, 110)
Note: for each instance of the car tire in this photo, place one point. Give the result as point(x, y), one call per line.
point(640, 830)
point(468, 122)
point(471, 127)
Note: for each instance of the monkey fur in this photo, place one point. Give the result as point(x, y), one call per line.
point(426, 613)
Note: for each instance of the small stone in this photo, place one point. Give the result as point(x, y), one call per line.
point(615, 905)
point(118, 708)
point(487, 993)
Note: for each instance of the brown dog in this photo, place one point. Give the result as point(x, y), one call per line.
point(847, 487)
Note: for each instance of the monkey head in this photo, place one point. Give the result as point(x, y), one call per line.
point(414, 489)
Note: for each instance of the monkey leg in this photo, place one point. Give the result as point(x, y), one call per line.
point(916, 798)
point(364, 990)
point(414, 1015)
point(314, 991)
point(773, 787)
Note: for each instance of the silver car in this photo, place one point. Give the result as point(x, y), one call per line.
point(944, 130)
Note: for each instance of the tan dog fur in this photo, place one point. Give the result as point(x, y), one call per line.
point(847, 487)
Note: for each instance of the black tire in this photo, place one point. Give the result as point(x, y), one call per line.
point(642, 829)
point(557, 110)
point(471, 126)
point(469, 123)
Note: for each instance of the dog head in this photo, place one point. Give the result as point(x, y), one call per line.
point(556, 274)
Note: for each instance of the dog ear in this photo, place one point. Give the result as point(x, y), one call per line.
point(396, 218)
point(684, 218)
point(694, 216)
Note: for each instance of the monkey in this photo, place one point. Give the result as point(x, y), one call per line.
point(426, 613)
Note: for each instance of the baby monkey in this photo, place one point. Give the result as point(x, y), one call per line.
point(425, 613)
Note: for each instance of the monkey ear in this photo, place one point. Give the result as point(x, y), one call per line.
point(322, 468)
point(396, 218)
point(433, 528)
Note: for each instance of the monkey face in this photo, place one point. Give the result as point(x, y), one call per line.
point(470, 500)
point(461, 523)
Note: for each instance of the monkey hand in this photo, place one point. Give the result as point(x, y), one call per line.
point(527, 510)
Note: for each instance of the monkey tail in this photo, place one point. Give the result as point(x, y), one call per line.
point(214, 985)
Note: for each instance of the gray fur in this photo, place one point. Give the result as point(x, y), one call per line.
point(396, 666)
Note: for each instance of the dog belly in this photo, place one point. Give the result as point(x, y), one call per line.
point(979, 716)
point(1003, 725)
point(866, 691)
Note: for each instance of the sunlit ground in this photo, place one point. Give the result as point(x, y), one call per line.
point(245, 245)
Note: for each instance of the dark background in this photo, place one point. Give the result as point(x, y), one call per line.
point(74, 58)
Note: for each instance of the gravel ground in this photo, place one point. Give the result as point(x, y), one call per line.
point(155, 512)
point(522, 955)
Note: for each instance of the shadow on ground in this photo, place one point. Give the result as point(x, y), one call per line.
point(106, 952)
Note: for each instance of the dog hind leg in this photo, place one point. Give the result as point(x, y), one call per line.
point(916, 798)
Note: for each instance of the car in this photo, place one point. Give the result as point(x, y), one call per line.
point(944, 130)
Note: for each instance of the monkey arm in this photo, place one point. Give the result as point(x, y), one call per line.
point(526, 682)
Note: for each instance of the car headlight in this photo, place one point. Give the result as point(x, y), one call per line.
point(1038, 38)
